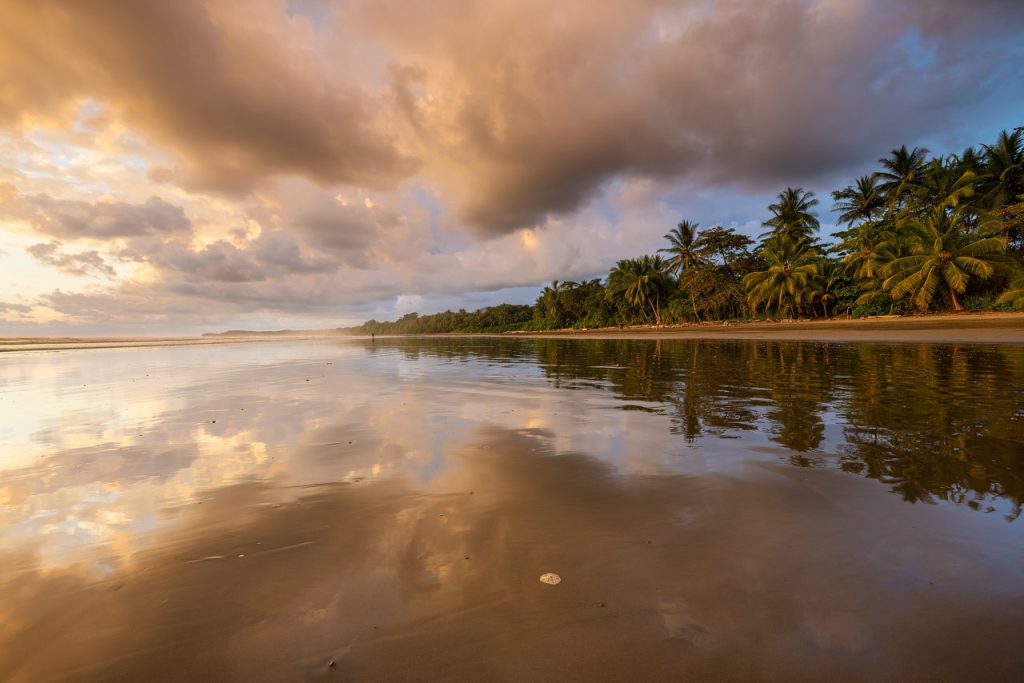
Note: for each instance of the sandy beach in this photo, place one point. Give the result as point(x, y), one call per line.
point(967, 327)
point(10, 344)
point(984, 328)
point(351, 509)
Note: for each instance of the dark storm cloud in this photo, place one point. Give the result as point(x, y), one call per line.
point(514, 110)
point(99, 220)
point(539, 106)
point(81, 263)
point(237, 99)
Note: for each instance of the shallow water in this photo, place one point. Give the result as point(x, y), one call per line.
point(719, 510)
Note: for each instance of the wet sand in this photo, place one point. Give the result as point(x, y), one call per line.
point(12, 344)
point(804, 577)
point(968, 327)
point(716, 511)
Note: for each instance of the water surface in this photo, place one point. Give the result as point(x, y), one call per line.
point(724, 510)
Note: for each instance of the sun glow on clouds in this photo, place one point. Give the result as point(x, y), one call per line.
point(529, 240)
point(312, 163)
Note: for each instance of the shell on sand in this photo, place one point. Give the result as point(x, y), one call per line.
point(550, 579)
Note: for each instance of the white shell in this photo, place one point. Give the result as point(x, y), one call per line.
point(550, 579)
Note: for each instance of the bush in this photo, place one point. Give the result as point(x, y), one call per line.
point(984, 302)
point(882, 307)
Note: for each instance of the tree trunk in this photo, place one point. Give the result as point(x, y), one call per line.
point(644, 312)
point(657, 312)
point(693, 303)
point(956, 304)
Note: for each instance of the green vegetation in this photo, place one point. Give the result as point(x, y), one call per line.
point(921, 234)
point(501, 318)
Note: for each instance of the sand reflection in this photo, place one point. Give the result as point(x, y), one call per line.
point(659, 578)
point(391, 509)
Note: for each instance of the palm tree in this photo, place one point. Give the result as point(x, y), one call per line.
point(791, 215)
point(556, 300)
point(970, 160)
point(1014, 295)
point(861, 201)
point(683, 241)
point(870, 253)
point(944, 256)
point(642, 282)
point(1003, 176)
point(943, 184)
point(683, 253)
point(787, 281)
point(902, 172)
point(829, 277)
point(549, 303)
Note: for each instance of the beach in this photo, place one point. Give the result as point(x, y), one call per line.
point(13, 344)
point(988, 328)
point(968, 327)
point(511, 341)
point(356, 509)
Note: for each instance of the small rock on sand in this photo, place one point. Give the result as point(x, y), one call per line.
point(550, 579)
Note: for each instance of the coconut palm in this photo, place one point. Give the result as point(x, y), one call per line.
point(971, 160)
point(683, 247)
point(1003, 174)
point(791, 215)
point(548, 300)
point(1014, 296)
point(944, 257)
point(829, 278)
point(642, 282)
point(555, 301)
point(943, 184)
point(871, 251)
point(859, 202)
point(683, 253)
point(902, 171)
point(787, 282)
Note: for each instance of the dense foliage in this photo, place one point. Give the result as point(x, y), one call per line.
point(921, 234)
point(499, 318)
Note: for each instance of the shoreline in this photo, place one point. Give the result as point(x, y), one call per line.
point(14, 344)
point(963, 327)
point(982, 328)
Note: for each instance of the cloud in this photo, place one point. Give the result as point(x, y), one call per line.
point(6, 307)
point(8, 192)
point(343, 224)
point(276, 274)
point(236, 96)
point(325, 157)
point(273, 254)
point(81, 263)
point(97, 219)
point(517, 109)
point(531, 109)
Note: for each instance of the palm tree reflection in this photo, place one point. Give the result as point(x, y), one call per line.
point(933, 422)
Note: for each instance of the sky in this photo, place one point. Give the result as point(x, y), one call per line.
point(183, 167)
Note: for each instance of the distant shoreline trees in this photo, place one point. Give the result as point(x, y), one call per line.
point(922, 234)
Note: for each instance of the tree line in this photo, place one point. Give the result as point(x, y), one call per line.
point(920, 234)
